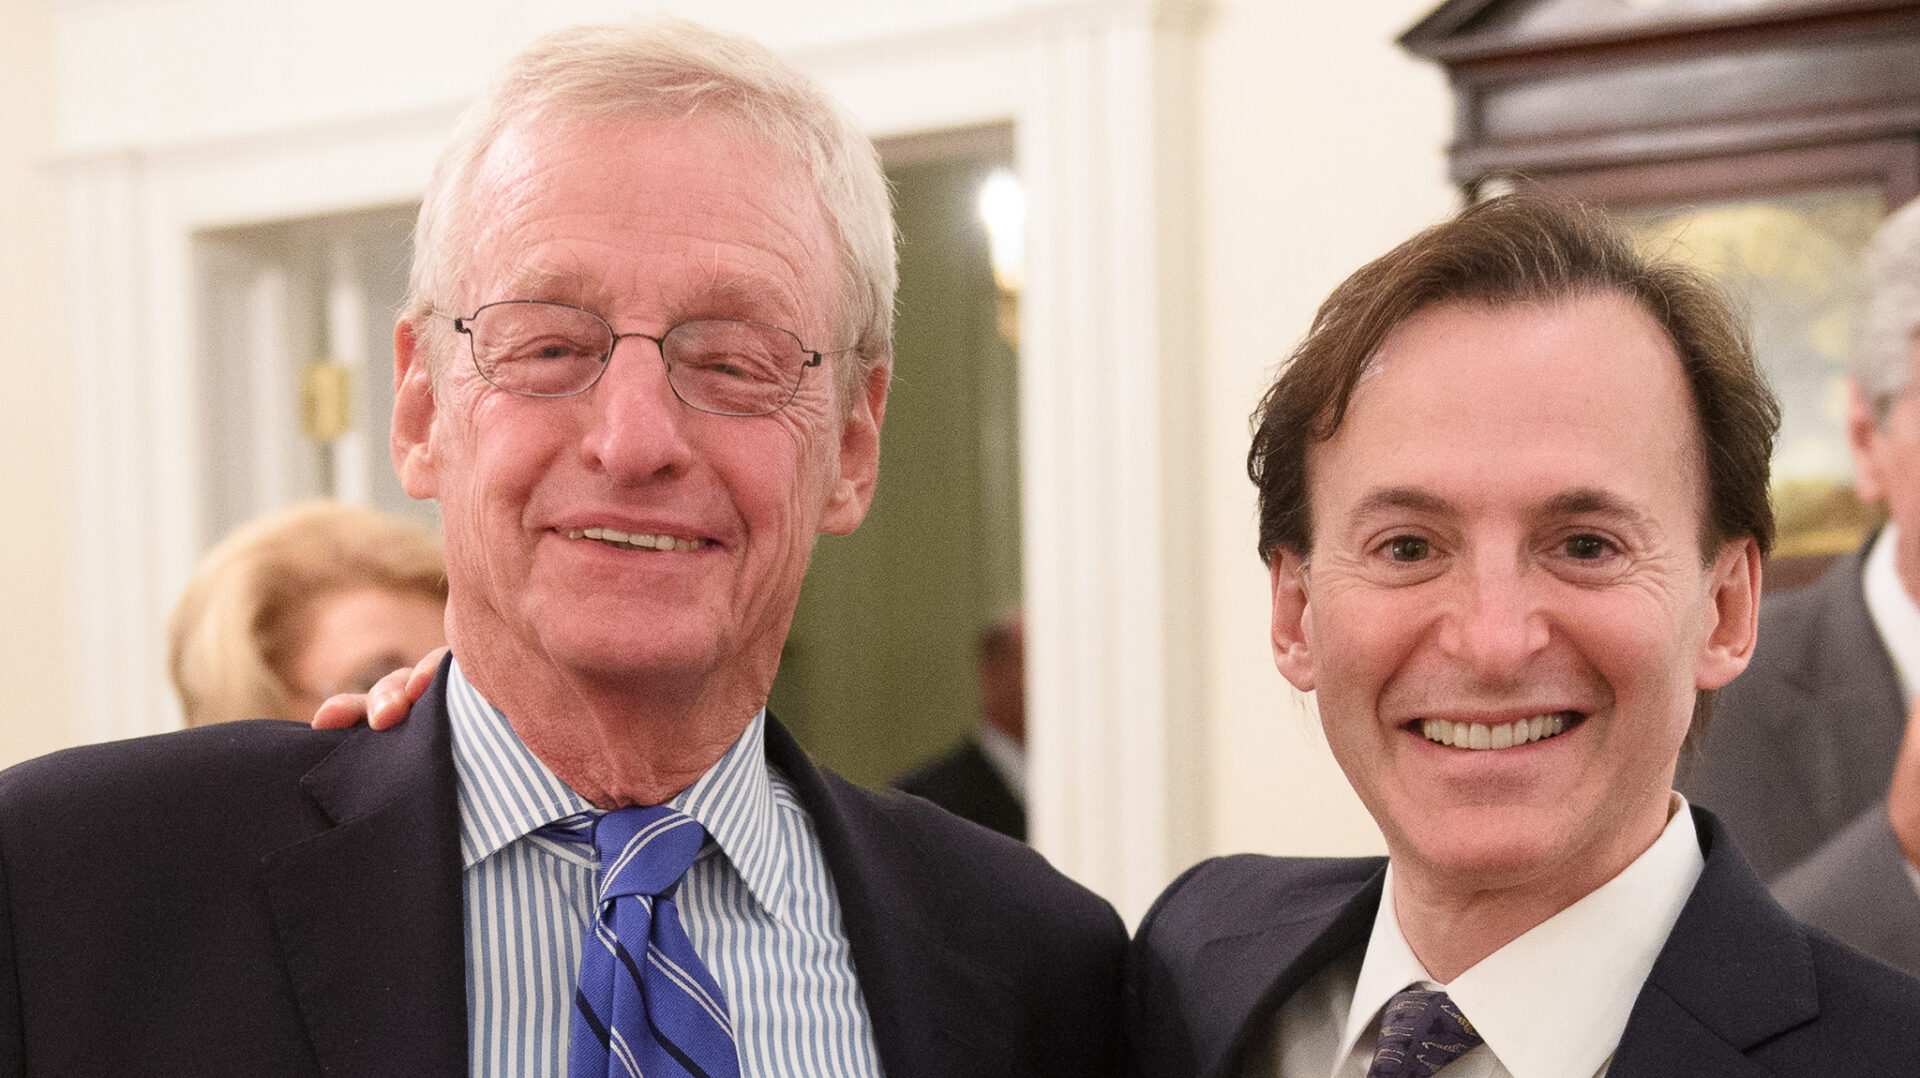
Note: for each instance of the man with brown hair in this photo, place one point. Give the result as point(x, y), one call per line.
point(1513, 502)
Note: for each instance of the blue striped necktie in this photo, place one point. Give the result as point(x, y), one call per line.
point(645, 1005)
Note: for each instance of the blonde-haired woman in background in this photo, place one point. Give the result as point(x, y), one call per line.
point(315, 599)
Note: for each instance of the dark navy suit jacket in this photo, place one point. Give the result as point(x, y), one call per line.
point(1740, 989)
point(264, 899)
point(965, 783)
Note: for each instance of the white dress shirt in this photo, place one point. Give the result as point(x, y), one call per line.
point(758, 906)
point(1550, 1004)
point(1897, 620)
point(1008, 758)
point(1895, 617)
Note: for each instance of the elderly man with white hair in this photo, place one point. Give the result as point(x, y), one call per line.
point(643, 365)
point(1812, 759)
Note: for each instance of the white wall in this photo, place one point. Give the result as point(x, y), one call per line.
point(1324, 146)
point(36, 428)
point(1215, 169)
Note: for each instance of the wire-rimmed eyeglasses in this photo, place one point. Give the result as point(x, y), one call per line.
point(726, 366)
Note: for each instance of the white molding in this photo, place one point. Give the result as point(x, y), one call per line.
point(1101, 98)
point(1107, 386)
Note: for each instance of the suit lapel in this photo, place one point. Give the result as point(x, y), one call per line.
point(1254, 968)
point(1735, 971)
point(1846, 674)
point(917, 992)
point(369, 910)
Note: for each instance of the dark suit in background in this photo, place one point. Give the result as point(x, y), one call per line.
point(1798, 758)
point(965, 783)
point(1739, 988)
point(260, 898)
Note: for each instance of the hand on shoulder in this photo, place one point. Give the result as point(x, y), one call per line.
point(386, 704)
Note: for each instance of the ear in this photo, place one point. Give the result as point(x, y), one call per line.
point(1863, 439)
point(1733, 604)
point(859, 455)
point(1292, 637)
point(413, 414)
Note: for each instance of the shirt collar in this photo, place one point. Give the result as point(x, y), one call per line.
point(1895, 617)
point(505, 792)
point(1555, 1000)
point(1008, 758)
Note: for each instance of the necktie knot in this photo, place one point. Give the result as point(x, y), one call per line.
point(645, 850)
point(1421, 1031)
point(645, 1004)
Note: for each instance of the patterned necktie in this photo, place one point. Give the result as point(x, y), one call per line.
point(646, 1005)
point(1421, 1032)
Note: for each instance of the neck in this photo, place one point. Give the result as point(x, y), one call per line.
point(1453, 918)
point(630, 739)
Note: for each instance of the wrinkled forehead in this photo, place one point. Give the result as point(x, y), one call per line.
point(561, 214)
point(1464, 377)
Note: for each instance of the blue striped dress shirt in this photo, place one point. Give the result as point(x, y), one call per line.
point(758, 905)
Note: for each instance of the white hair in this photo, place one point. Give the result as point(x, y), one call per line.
point(1890, 310)
point(671, 68)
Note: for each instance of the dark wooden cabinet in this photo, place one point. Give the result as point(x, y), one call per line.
point(1638, 103)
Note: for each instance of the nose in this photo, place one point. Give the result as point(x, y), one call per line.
point(635, 427)
point(1496, 623)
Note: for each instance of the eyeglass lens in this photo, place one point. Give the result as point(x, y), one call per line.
point(716, 365)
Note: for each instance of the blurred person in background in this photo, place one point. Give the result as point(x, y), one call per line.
point(311, 600)
point(984, 779)
point(1812, 760)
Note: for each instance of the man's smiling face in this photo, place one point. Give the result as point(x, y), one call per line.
point(620, 533)
point(1504, 612)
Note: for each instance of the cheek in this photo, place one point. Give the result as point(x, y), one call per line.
point(784, 467)
point(1358, 641)
point(1645, 651)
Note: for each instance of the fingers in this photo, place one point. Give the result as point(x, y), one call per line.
point(386, 704)
point(340, 711)
point(423, 672)
point(390, 699)
point(393, 696)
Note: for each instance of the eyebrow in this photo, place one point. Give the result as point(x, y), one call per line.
point(1593, 500)
point(546, 281)
point(1401, 498)
point(1576, 502)
point(713, 297)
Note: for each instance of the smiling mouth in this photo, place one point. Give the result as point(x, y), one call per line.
point(628, 541)
point(1474, 736)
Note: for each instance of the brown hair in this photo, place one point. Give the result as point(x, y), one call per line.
point(1519, 249)
point(243, 618)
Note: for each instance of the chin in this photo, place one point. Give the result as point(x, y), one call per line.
point(1492, 849)
point(627, 651)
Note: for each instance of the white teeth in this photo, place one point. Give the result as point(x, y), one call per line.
point(628, 541)
point(1468, 735)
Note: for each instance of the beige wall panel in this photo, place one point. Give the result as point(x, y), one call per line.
point(1324, 146)
point(36, 430)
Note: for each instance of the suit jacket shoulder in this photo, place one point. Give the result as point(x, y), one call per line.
point(1739, 988)
point(965, 783)
point(975, 956)
point(1742, 989)
point(1227, 943)
point(234, 900)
